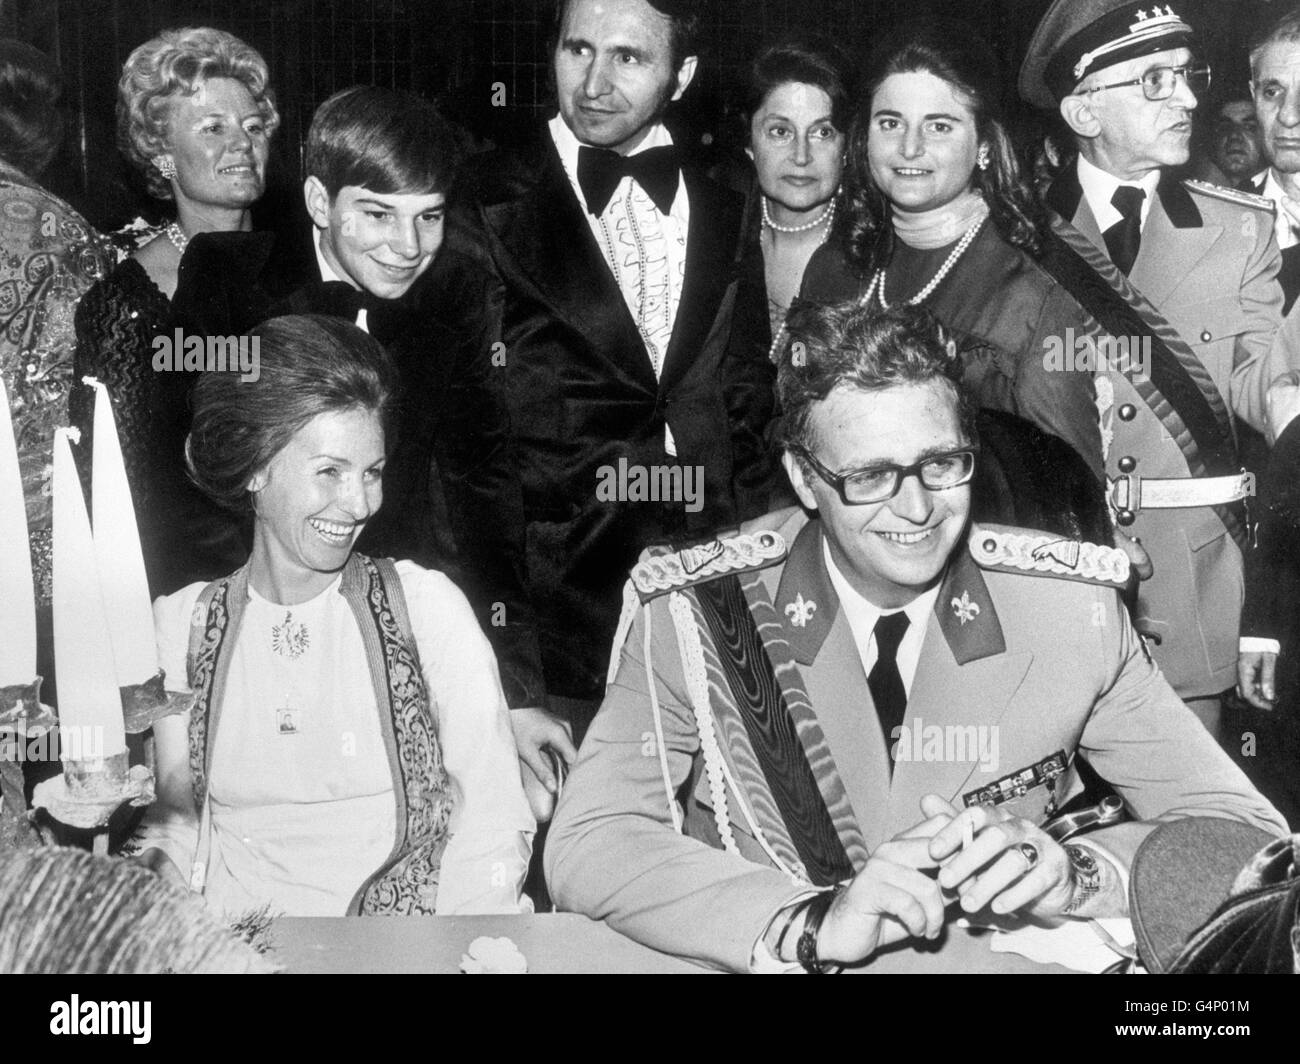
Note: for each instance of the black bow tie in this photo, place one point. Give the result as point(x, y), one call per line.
point(655, 170)
point(386, 319)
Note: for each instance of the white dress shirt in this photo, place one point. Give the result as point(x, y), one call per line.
point(1099, 186)
point(862, 616)
point(644, 249)
point(1283, 226)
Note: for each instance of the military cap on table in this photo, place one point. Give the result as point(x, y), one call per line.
point(1077, 37)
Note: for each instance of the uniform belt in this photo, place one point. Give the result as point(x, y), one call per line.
point(1133, 492)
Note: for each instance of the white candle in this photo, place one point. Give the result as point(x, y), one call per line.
point(117, 546)
point(17, 594)
point(90, 706)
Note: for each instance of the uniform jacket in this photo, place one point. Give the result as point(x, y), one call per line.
point(583, 397)
point(1053, 663)
point(1209, 266)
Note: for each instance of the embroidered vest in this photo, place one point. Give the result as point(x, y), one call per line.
point(407, 883)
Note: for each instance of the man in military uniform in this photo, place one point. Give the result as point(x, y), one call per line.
point(799, 713)
point(1123, 77)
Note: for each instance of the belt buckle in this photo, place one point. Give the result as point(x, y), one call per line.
point(1131, 483)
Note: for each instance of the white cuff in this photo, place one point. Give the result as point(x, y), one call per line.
point(1254, 644)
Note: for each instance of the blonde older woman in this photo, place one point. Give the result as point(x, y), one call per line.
point(195, 116)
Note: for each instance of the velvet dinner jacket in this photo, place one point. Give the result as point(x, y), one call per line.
point(1044, 663)
point(583, 396)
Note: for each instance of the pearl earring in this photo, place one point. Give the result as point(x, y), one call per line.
point(982, 160)
point(165, 167)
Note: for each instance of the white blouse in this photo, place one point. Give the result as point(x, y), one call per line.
point(301, 792)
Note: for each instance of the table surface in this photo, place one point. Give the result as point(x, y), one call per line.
point(554, 944)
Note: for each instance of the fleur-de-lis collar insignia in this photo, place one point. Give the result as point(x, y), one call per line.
point(800, 611)
point(964, 609)
point(964, 597)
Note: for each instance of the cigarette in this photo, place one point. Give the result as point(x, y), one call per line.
point(967, 834)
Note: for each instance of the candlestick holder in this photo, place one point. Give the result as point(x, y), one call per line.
point(145, 703)
point(91, 790)
point(24, 722)
point(21, 709)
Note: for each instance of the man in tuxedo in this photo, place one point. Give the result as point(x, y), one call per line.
point(638, 394)
point(827, 735)
point(1123, 77)
point(380, 164)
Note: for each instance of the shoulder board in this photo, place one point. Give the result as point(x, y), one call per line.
point(1030, 553)
point(1231, 195)
point(675, 570)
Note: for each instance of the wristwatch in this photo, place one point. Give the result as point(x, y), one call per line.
point(815, 911)
point(1086, 874)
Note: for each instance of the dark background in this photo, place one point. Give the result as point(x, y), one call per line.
point(457, 51)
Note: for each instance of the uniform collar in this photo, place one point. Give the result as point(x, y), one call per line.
point(1178, 202)
point(808, 604)
point(805, 597)
point(965, 611)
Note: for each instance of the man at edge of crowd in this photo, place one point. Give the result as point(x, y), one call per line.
point(1235, 146)
point(1125, 80)
point(1275, 87)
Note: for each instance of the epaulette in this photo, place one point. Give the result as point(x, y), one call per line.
point(1022, 550)
point(674, 570)
point(1231, 195)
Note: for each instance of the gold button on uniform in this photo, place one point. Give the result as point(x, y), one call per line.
point(1127, 464)
point(1127, 412)
point(1205, 336)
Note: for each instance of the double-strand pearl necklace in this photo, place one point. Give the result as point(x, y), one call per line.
point(877, 286)
point(827, 216)
point(177, 236)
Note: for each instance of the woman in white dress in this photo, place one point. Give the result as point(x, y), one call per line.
point(348, 749)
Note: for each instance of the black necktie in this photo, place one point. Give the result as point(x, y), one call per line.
point(885, 681)
point(655, 170)
point(1125, 237)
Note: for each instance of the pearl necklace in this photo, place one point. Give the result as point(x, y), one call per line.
point(877, 286)
point(827, 216)
point(177, 236)
point(780, 333)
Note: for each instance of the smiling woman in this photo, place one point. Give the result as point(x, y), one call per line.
point(937, 214)
point(195, 117)
point(325, 668)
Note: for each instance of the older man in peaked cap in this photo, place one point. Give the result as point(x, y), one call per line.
point(1124, 77)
